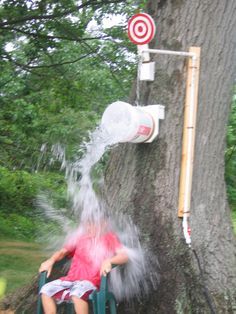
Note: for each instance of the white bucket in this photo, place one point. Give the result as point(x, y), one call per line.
point(127, 123)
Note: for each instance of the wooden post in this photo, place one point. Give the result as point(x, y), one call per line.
point(190, 113)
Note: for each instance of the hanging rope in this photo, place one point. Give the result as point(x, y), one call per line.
point(137, 101)
point(206, 293)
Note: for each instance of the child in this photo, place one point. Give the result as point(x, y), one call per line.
point(93, 252)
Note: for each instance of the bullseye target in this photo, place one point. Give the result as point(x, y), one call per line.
point(141, 28)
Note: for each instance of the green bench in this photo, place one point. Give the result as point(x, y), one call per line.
point(101, 299)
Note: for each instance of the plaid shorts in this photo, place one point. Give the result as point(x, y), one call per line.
point(62, 290)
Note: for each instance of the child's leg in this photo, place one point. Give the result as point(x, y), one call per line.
point(49, 305)
point(81, 306)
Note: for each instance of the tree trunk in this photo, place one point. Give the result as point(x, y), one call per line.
point(143, 179)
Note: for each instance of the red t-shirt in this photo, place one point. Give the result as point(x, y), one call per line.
point(88, 254)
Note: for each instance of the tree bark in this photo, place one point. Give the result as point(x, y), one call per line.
point(143, 179)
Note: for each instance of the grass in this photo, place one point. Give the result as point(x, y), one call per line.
point(19, 262)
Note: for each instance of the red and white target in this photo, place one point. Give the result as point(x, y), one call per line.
point(141, 28)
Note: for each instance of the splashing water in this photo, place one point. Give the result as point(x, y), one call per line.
point(140, 273)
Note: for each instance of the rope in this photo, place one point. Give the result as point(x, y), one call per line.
point(206, 293)
point(137, 101)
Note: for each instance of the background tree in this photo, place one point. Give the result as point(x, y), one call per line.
point(60, 67)
point(45, 48)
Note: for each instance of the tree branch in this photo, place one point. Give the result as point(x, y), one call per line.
point(39, 35)
point(29, 67)
point(104, 60)
point(59, 14)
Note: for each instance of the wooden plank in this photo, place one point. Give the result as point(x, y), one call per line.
point(189, 129)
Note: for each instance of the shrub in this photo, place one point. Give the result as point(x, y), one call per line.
point(17, 226)
point(19, 189)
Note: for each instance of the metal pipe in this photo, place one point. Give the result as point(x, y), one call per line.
point(190, 143)
point(190, 148)
point(170, 52)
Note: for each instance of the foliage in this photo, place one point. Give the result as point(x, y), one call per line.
point(18, 189)
point(60, 67)
point(62, 109)
point(17, 227)
point(20, 217)
point(234, 220)
point(39, 28)
point(230, 156)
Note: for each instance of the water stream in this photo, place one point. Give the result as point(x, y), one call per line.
point(140, 274)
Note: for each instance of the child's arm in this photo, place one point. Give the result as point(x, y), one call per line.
point(120, 258)
point(56, 257)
